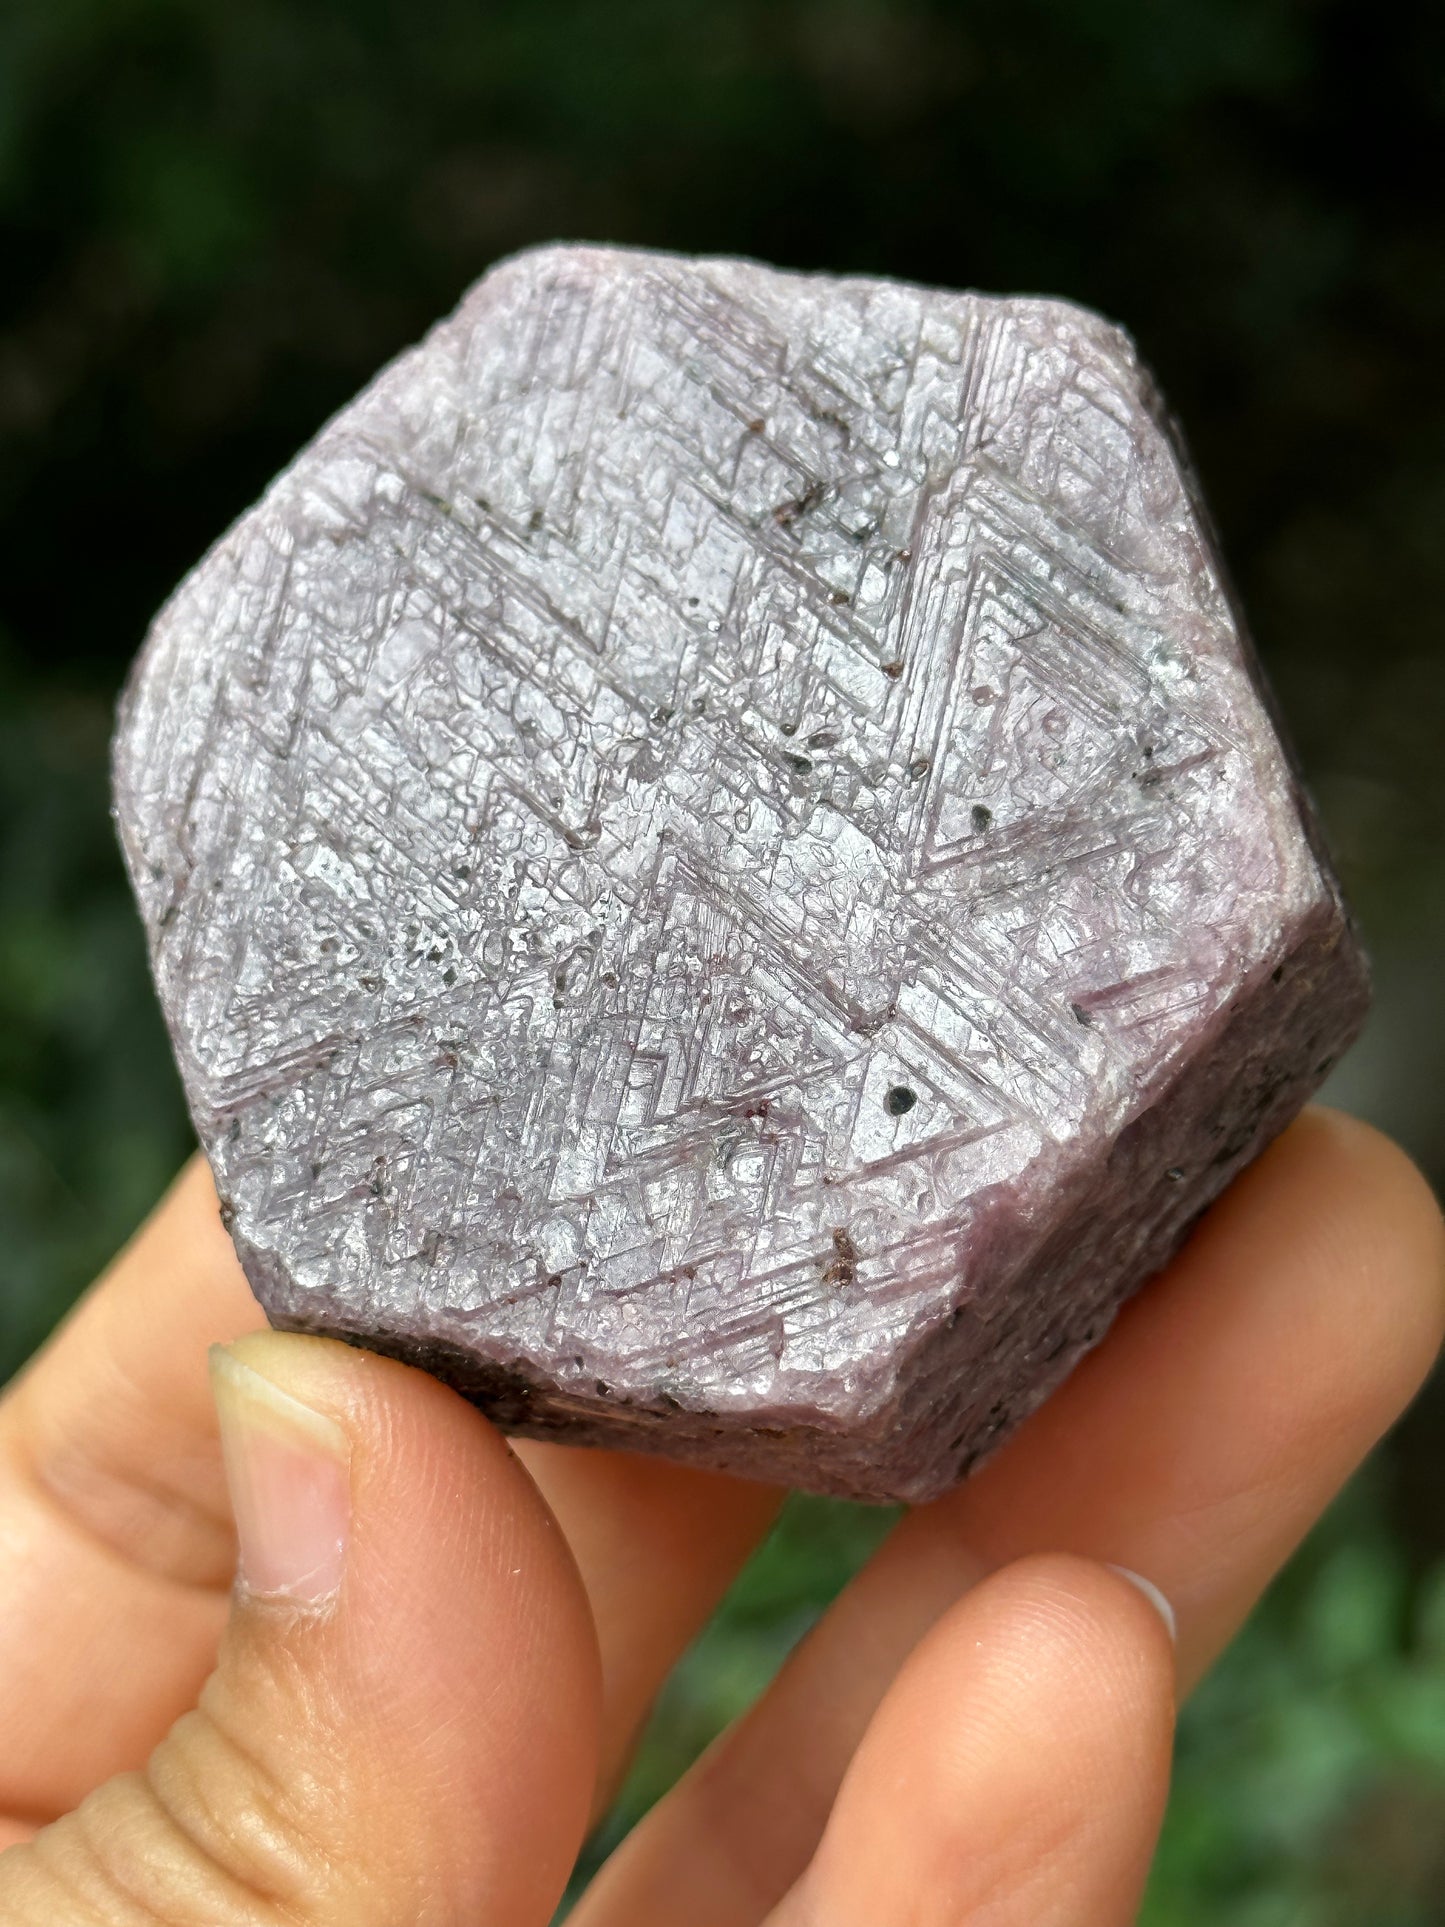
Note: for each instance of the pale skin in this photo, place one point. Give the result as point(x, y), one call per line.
point(440, 1648)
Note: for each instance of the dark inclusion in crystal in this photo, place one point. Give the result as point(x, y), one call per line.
point(718, 866)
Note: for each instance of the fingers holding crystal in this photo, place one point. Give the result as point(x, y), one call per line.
point(401, 1723)
point(1237, 1396)
point(118, 1550)
point(1197, 1446)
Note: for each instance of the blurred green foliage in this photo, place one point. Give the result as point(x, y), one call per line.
point(91, 1127)
point(216, 221)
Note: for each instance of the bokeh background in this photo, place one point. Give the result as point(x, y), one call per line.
point(217, 220)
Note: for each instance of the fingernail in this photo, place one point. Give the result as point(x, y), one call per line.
point(288, 1469)
point(1152, 1593)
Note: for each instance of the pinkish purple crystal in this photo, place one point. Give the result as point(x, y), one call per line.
point(718, 866)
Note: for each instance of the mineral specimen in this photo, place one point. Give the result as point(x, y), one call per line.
point(718, 866)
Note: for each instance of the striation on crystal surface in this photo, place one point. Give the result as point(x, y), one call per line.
point(718, 867)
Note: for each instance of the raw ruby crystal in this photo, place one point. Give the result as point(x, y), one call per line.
point(718, 866)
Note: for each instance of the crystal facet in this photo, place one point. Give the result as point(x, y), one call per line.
point(718, 866)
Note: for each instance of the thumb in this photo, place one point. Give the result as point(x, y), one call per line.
point(402, 1722)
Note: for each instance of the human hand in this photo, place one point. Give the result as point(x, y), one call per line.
point(440, 1649)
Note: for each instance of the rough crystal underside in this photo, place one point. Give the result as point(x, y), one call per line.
point(717, 866)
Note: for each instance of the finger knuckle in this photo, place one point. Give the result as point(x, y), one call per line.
point(208, 1832)
point(122, 1859)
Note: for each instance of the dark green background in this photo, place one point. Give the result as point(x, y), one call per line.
point(216, 220)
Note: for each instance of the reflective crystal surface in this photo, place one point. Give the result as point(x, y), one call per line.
point(718, 868)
